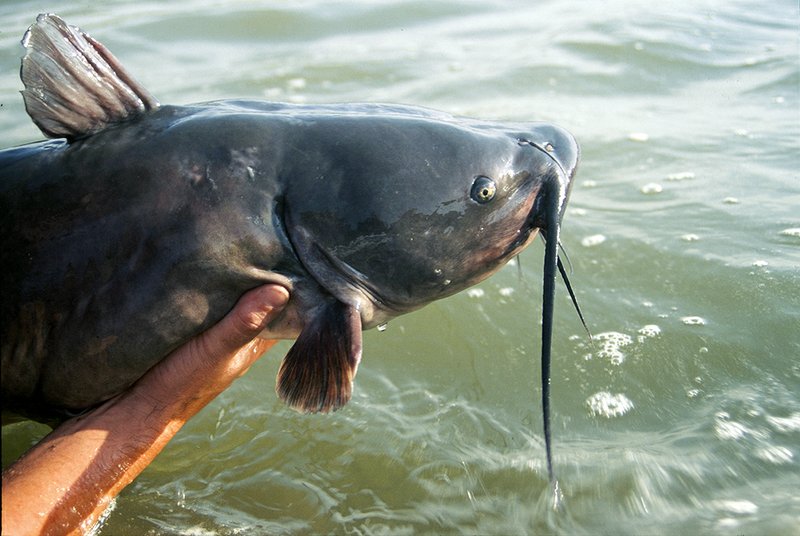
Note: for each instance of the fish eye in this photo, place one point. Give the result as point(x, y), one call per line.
point(483, 189)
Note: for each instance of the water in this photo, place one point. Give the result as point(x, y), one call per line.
point(683, 417)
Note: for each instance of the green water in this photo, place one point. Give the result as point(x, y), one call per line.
point(684, 235)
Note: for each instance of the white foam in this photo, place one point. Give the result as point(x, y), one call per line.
point(730, 430)
point(682, 176)
point(475, 293)
point(609, 405)
point(296, 83)
point(792, 231)
point(612, 342)
point(651, 188)
point(638, 136)
point(693, 320)
point(785, 424)
point(690, 237)
point(728, 523)
point(737, 507)
point(593, 240)
point(650, 330)
point(775, 455)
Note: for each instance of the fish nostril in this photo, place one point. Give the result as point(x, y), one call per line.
point(548, 146)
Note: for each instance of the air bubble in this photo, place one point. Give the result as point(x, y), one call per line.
point(593, 240)
point(681, 176)
point(296, 83)
point(610, 344)
point(792, 231)
point(650, 330)
point(609, 405)
point(737, 507)
point(651, 188)
point(693, 320)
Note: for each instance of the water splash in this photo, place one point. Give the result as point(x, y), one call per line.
point(608, 405)
point(593, 240)
point(611, 344)
point(651, 188)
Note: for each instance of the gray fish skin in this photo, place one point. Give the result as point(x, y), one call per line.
point(119, 247)
point(145, 223)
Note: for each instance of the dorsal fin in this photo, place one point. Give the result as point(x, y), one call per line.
point(74, 86)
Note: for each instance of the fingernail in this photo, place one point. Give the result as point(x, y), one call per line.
point(276, 295)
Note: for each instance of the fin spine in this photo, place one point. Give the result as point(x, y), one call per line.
point(74, 86)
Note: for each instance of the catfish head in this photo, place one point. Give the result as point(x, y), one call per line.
point(410, 210)
point(410, 207)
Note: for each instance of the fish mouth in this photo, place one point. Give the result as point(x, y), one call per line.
point(561, 150)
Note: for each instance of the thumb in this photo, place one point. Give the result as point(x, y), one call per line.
point(251, 314)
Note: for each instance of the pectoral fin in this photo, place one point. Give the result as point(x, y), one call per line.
point(317, 374)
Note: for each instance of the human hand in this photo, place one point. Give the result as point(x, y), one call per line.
point(207, 364)
point(65, 482)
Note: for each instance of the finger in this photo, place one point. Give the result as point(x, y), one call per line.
point(245, 321)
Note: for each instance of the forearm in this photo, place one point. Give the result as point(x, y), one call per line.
point(64, 483)
point(67, 480)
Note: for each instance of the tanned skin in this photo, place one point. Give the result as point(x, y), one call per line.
point(65, 482)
